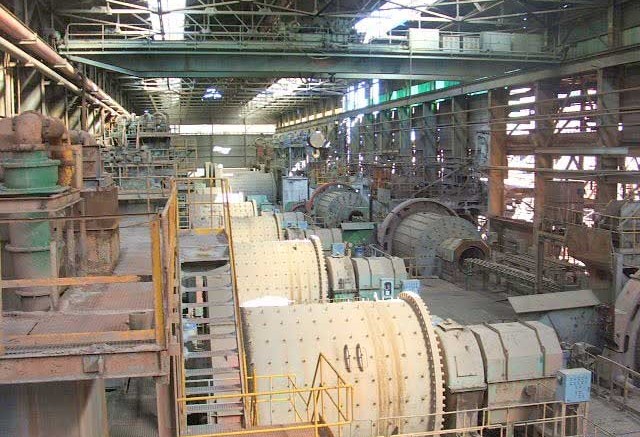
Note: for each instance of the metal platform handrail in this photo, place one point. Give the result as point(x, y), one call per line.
point(553, 416)
point(328, 396)
point(611, 380)
point(161, 229)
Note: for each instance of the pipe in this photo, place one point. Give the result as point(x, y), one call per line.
point(14, 28)
point(23, 56)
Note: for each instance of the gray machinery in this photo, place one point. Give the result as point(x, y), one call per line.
point(401, 366)
point(327, 236)
point(420, 229)
point(363, 277)
point(298, 271)
point(335, 203)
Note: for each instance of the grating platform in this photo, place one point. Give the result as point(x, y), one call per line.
point(91, 308)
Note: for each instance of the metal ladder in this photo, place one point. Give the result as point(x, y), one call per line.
point(211, 351)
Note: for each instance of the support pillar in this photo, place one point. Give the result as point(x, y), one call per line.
point(546, 108)
point(404, 122)
point(608, 82)
point(498, 112)
point(460, 127)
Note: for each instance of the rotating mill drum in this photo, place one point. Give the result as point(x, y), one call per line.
point(387, 350)
point(258, 228)
point(335, 203)
point(416, 228)
point(290, 269)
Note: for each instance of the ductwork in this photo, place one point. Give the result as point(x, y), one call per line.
point(14, 29)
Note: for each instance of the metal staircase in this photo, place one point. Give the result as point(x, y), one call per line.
point(210, 339)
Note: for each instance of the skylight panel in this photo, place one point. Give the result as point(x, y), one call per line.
point(172, 16)
point(389, 16)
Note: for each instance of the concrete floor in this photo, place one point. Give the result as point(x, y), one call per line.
point(447, 300)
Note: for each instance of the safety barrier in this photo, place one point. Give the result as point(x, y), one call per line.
point(327, 403)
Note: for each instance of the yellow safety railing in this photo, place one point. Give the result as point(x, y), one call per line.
point(327, 403)
point(544, 418)
point(204, 203)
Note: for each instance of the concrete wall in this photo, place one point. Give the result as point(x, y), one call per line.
point(242, 153)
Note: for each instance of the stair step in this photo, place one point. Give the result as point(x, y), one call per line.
point(227, 303)
point(214, 408)
point(232, 372)
point(205, 391)
point(208, 354)
point(218, 380)
point(211, 429)
point(205, 337)
point(217, 289)
point(219, 321)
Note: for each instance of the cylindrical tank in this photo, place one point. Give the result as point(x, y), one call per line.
point(29, 172)
point(417, 227)
point(626, 335)
point(370, 271)
point(387, 350)
point(258, 228)
point(334, 203)
point(292, 269)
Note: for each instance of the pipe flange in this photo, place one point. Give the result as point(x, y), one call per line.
point(322, 269)
point(387, 228)
point(435, 359)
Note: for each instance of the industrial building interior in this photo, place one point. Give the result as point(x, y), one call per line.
point(323, 218)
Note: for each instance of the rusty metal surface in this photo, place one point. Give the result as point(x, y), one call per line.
point(590, 245)
point(129, 360)
point(55, 202)
point(86, 309)
point(101, 202)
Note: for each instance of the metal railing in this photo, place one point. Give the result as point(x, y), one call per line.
point(547, 418)
point(207, 203)
point(69, 247)
point(610, 380)
point(327, 403)
point(105, 35)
